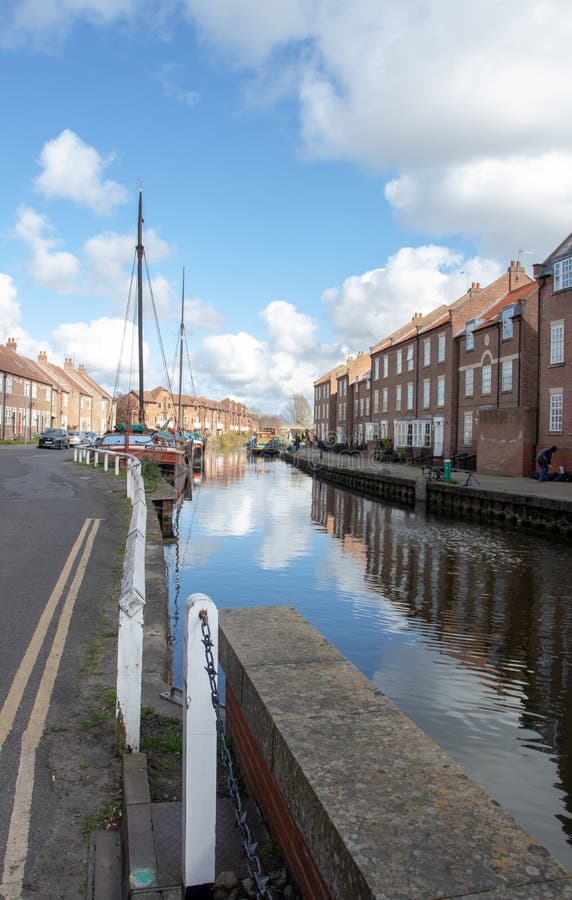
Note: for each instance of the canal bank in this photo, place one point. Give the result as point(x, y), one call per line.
point(523, 502)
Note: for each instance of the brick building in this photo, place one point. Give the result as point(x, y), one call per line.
point(39, 395)
point(554, 277)
point(209, 417)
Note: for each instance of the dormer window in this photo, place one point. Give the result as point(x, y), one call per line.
point(507, 315)
point(469, 336)
point(563, 274)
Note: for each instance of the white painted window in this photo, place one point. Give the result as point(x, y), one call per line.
point(34, 391)
point(469, 382)
point(412, 434)
point(410, 395)
point(385, 366)
point(367, 406)
point(441, 348)
point(486, 376)
point(469, 336)
point(27, 388)
point(375, 402)
point(9, 384)
point(468, 428)
point(556, 343)
point(555, 412)
point(506, 375)
point(441, 390)
point(398, 397)
point(384, 399)
point(361, 406)
point(383, 428)
point(507, 329)
point(410, 358)
point(563, 274)
point(376, 368)
point(427, 352)
point(371, 431)
point(399, 361)
point(426, 393)
point(356, 401)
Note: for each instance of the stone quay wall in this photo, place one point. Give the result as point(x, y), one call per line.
point(363, 804)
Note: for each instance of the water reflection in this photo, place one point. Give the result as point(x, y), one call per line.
point(467, 628)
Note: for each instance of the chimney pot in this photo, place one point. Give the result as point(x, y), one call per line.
point(11, 344)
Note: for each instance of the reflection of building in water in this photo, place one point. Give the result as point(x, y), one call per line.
point(225, 467)
point(494, 601)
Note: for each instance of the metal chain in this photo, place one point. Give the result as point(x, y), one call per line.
point(250, 847)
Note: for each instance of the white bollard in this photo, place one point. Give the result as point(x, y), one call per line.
point(95, 458)
point(106, 462)
point(75, 454)
point(199, 750)
point(117, 465)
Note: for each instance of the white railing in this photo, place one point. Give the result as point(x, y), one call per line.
point(131, 599)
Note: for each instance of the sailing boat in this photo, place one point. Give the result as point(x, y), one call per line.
point(169, 451)
point(195, 443)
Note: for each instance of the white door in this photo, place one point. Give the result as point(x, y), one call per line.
point(438, 422)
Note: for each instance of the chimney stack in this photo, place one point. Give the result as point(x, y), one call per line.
point(68, 364)
point(42, 357)
point(11, 344)
point(515, 274)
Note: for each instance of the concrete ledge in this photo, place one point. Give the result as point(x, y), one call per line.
point(376, 806)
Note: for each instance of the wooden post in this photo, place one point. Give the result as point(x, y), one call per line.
point(199, 753)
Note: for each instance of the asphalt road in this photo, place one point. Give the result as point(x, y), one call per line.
point(60, 529)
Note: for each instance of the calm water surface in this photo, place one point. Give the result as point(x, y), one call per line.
point(467, 628)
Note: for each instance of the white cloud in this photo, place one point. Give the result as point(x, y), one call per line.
point(167, 75)
point(531, 198)
point(102, 345)
point(9, 308)
point(74, 171)
point(42, 21)
point(368, 307)
point(201, 316)
point(266, 373)
point(289, 330)
point(51, 268)
point(110, 258)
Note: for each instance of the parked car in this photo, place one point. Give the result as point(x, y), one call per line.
point(56, 438)
point(74, 438)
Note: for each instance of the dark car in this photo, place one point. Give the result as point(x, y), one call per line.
point(54, 437)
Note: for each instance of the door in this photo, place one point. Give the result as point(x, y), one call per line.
point(438, 423)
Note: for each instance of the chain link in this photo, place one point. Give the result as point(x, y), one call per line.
point(250, 847)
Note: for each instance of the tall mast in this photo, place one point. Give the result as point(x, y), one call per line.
point(180, 417)
point(140, 252)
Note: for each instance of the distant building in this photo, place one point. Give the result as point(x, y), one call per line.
point(209, 417)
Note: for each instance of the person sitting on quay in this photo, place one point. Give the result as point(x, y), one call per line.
point(544, 460)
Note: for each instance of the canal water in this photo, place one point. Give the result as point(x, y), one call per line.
point(467, 628)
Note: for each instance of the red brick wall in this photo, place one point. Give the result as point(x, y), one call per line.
point(264, 789)
point(505, 441)
point(555, 307)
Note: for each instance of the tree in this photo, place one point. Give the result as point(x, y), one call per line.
point(298, 412)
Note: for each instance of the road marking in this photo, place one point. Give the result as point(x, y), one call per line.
point(13, 700)
point(18, 835)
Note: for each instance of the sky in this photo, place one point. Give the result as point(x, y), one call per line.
point(320, 169)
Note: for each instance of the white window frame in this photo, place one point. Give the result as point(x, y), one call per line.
point(9, 384)
point(371, 431)
point(398, 396)
point(440, 390)
point(376, 368)
point(469, 382)
point(410, 358)
point(441, 344)
point(399, 361)
point(383, 428)
point(375, 402)
point(506, 375)
point(384, 399)
point(409, 395)
point(555, 411)
point(467, 428)
point(427, 352)
point(414, 433)
point(426, 393)
point(486, 378)
point(563, 274)
point(507, 327)
point(385, 366)
point(469, 336)
point(556, 343)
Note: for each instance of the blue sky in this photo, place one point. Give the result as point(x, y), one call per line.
point(322, 170)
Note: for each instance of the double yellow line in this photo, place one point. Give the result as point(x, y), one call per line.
point(18, 835)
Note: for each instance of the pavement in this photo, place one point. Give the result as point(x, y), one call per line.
point(523, 487)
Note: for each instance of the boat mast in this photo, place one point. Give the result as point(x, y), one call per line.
point(180, 415)
point(140, 252)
